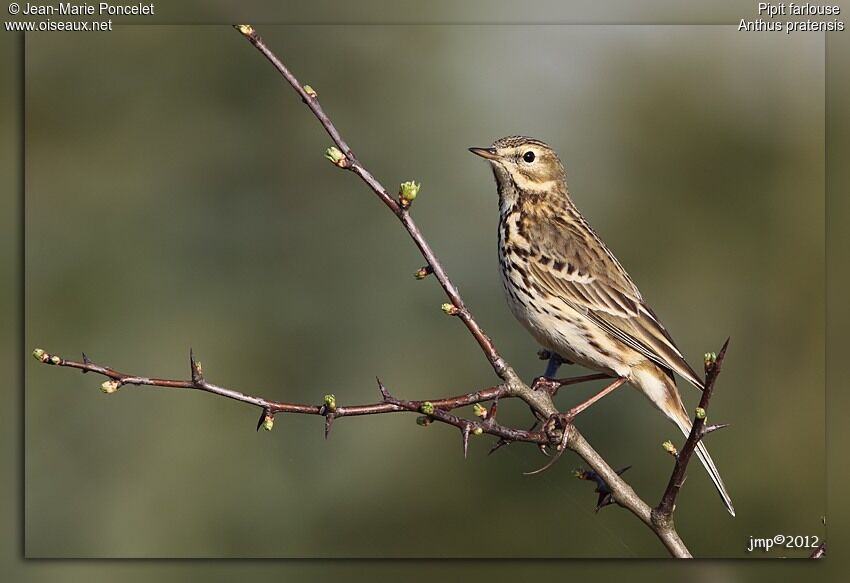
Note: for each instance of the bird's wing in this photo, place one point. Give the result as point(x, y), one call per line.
point(591, 281)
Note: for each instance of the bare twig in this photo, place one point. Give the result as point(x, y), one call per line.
point(555, 428)
point(351, 163)
point(436, 409)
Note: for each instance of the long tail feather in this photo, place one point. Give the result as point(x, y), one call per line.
point(684, 423)
point(661, 390)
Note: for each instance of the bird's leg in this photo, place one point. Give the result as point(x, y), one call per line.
point(555, 362)
point(571, 414)
point(548, 380)
point(551, 383)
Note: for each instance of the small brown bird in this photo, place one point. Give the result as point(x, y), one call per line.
point(565, 286)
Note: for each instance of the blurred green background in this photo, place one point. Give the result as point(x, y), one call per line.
point(176, 196)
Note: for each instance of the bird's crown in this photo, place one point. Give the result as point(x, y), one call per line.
point(515, 141)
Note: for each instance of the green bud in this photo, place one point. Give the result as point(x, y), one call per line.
point(700, 413)
point(427, 408)
point(670, 448)
point(310, 91)
point(449, 309)
point(710, 358)
point(477, 431)
point(245, 29)
point(330, 402)
point(55, 359)
point(268, 422)
point(422, 272)
point(336, 156)
point(407, 192)
point(110, 386)
point(479, 410)
point(39, 355)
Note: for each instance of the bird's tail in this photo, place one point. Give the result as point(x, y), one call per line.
point(661, 390)
point(684, 423)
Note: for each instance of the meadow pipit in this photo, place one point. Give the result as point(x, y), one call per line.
point(565, 286)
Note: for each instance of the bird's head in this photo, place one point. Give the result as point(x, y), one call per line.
point(527, 164)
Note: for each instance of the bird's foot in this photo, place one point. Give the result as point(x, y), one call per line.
point(548, 384)
point(557, 428)
point(547, 380)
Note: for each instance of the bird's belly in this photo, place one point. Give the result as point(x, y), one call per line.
point(561, 329)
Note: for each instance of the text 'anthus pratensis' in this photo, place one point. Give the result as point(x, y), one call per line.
point(565, 286)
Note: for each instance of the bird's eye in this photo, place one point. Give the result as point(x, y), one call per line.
point(528, 156)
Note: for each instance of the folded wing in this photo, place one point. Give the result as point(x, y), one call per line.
point(597, 286)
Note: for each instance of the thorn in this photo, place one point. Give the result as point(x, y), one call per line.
point(465, 434)
point(722, 354)
point(499, 444)
point(197, 369)
point(86, 361)
point(709, 428)
point(384, 392)
point(263, 414)
point(493, 409)
point(713, 361)
point(329, 421)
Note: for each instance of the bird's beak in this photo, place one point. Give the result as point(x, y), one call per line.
point(488, 153)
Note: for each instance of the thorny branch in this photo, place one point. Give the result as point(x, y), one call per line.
point(699, 430)
point(553, 431)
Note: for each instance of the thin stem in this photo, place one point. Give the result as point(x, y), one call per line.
point(496, 361)
point(439, 407)
point(664, 510)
